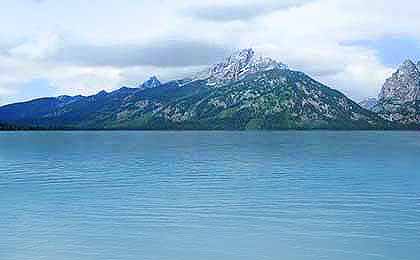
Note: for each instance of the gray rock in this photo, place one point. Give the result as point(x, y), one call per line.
point(400, 95)
point(237, 66)
point(152, 82)
point(369, 103)
point(403, 86)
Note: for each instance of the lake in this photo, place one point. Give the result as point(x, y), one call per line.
point(210, 195)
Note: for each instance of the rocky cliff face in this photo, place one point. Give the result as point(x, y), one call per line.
point(237, 66)
point(403, 86)
point(399, 99)
point(152, 82)
point(369, 103)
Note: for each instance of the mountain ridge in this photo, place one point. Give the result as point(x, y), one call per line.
point(244, 91)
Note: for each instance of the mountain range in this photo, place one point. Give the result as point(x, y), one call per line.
point(244, 91)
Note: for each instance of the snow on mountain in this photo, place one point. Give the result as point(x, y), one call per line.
point(237, 66)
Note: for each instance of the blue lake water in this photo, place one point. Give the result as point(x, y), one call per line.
point(210, 195)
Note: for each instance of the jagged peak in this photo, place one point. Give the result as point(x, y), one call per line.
point(243, 56)
point(153, 79)
point(408, 66)
point(152, 82)
point(404, 84)
point(238, 65)
point(408, 62)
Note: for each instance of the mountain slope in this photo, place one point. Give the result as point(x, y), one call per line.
point(399, 99)
point(242, 92)
point(369, 103)
point(274, 99)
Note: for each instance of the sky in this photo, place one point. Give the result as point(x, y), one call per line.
point(70, 47)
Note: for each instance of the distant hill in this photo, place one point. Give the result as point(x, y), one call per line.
point(245, 91)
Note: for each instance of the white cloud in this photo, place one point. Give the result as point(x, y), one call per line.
point(38, 48)
point(308, 35)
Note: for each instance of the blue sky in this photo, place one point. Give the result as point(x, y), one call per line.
point(392, 50)
point(50, 47)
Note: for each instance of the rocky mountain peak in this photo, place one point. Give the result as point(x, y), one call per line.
point(152, 82)
point(241, 57)
point(403, 86)
point(399, 98)
point(238, 65)
point(408, 68)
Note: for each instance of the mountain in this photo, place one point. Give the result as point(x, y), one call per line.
point(238, 66)
point(369, 103)
point(245, 91)
point(153, 82)
point(399, 99)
